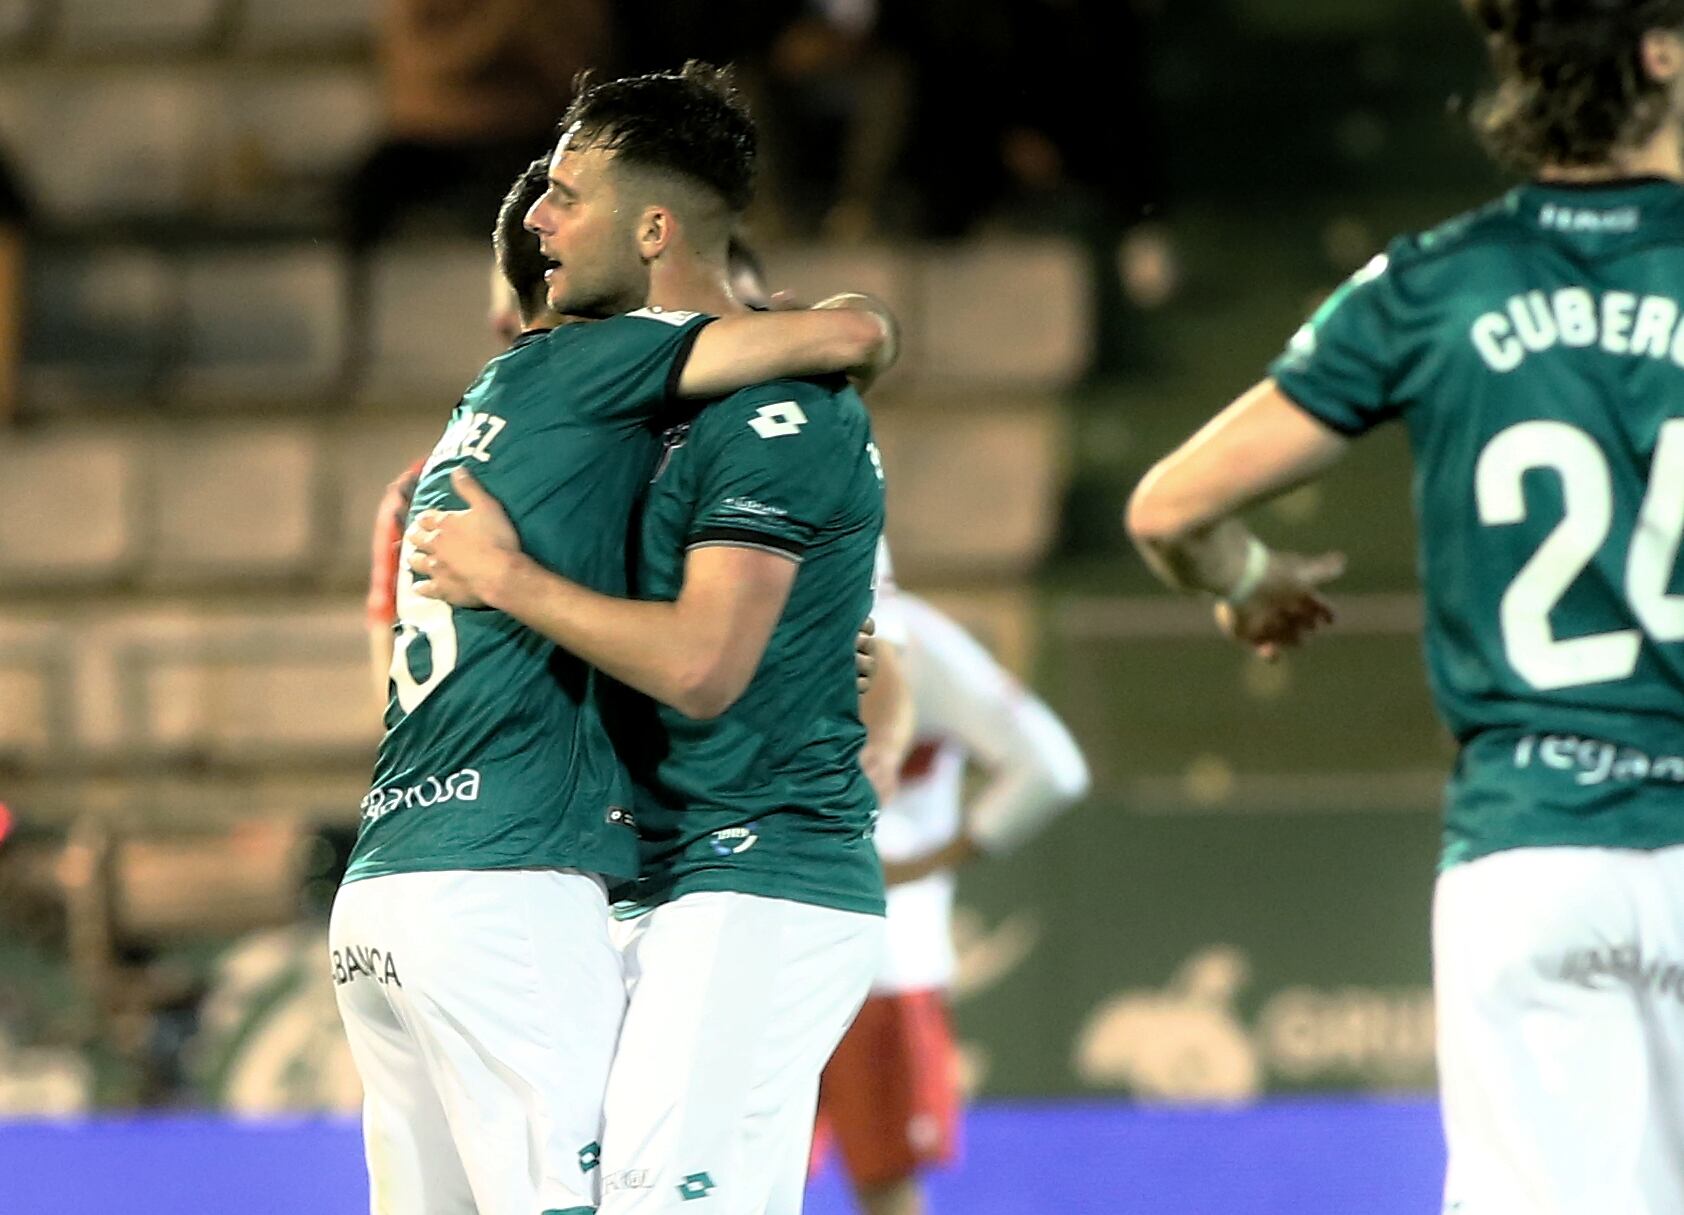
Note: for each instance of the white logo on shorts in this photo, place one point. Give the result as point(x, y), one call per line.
point(628, 1179)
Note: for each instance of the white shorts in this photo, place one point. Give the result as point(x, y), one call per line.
point(737, 1002)
point(482, 1010)
point(1559, 977)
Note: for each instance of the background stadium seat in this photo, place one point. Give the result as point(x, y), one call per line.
point(119, 142)
point(19, 21)
point(285, 139)
point(35, 665)
point(259, 684)
point(70, 500)
point(125, 25)
point(300, 25)
point(262, 324)
point(362, 457)
point(1012, 313)
point(426, 309)
point(232, 502)
point(99, 321)
point(947, 469)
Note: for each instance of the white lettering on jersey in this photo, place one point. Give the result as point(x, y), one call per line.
point(469, 437)
point(776, 421)
point(1618, 322)
point(1579, 219)
point(675, 319)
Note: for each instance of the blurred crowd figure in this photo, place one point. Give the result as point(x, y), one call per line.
point(470, 88)
point(879, 120)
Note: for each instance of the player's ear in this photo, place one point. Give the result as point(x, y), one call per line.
point(657, 228)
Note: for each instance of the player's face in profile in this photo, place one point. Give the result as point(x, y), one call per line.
point(582, 227)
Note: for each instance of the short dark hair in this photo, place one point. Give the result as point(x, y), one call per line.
point(692, 123)
point(518, 255)
point(1570, 81)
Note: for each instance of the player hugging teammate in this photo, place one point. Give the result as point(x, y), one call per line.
point(595, 682)
point(1530, 348)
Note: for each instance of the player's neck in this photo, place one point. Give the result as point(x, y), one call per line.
point(1662, 156)
point(691, 285)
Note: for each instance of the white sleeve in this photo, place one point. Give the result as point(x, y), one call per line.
point(886, 607)
point(1035, 768)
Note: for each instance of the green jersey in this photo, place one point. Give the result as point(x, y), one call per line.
point(1534, 351)
point(767, 798)
point(495, 754)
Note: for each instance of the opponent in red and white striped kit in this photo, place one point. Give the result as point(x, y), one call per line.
point(889, 1099)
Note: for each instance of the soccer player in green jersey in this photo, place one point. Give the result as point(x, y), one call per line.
point(760, 888)
point(470, 943)
point(1534, 351)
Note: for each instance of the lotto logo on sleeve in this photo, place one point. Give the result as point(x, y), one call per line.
point(776, 421)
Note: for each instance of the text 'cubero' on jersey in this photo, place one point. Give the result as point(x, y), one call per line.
point(1534, 349)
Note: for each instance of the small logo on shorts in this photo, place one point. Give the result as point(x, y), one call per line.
point(697, 1185)
point(628, 1179)
point(619, 816)
point(733, 840)
point(589, 1156)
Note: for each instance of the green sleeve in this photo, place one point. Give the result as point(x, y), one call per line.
point(626, 368)
point(775, 460)
point(1340, 366)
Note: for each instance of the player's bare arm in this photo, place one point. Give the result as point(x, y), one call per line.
point(389, 519)
point(854, 334)
point(1183, 518)
point(696, 654)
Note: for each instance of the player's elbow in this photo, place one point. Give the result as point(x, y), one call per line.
point(1068, 782)
point(1156, 514)
point(860, 339)
point(706, 690)
point(861, 332)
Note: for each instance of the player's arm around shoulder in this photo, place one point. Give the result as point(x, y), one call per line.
point(851, 334)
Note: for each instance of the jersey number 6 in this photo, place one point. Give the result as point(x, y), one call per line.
point(420, 617)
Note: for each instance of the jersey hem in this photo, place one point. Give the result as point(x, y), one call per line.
point(741, 883)
point(355, 873)
point(1462, 852)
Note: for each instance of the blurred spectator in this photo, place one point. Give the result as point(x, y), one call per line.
point(1036, 115)
point(13, 216)
point(144, 916)
point(833, 96)
point(1080, 147)
point(830, 95)
point(473, 89)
